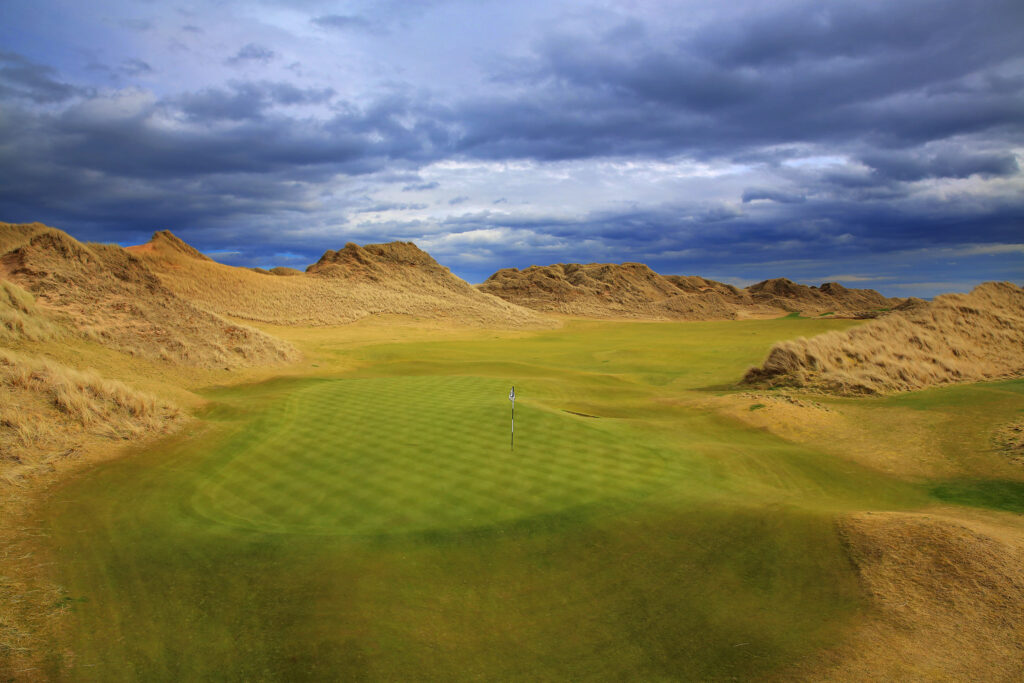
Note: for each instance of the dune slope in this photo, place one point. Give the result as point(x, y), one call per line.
point(343, 286)
point(107, 294)
point(633, 290)
point(945, 596)
point(957, 338)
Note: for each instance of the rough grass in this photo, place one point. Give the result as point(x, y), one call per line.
point(111, 296)
point(946, 598)
point(633, 290)
point(1009, 441)
point(347, 285)
point(958, 338)
point(21, 319)
point(46, 408)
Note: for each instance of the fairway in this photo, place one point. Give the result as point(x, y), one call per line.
point(366, 518)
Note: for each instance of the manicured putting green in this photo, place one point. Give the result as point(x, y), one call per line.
point(405, 454)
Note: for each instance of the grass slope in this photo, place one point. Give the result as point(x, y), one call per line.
point(53, 282)
point(634, 291)
point(344, 286)
point(371, 523)
point(956, 338)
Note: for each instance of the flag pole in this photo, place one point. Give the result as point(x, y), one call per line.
point(512, 433)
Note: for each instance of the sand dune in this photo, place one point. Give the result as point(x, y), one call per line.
point(343, 286)
point(46, 408)
point(956, 338)
point(945, 596)
point(106, 293)
point(633, 290)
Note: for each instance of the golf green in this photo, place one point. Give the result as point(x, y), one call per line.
point(405, 454)
point(377, 524)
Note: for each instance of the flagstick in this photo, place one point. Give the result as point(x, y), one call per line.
point(512, 434)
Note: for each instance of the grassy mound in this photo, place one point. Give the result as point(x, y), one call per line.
point(957, 338)
point(632, 290)
point(110, 295)
point(22, 320)
point(946, 599)
point(47, 408)
point(343, 286)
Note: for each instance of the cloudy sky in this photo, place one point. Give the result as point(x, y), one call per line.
point(875, 143)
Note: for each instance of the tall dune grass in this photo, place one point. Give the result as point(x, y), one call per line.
point(113, 297)
point(47, 408)
point(957, 338)
point(345, 286)
point(20, 318)
point(633, 290)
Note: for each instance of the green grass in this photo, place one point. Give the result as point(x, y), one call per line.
point(397, 455)
point(374, 524)
point(986, 493)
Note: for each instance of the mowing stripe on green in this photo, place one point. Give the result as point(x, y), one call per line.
point(408, 454)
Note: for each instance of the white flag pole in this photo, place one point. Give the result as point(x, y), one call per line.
point(512, 434)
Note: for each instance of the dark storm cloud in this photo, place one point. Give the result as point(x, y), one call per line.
point(697, 239)
point(246, 100)
point(252, 53)
point(815, 74)
point(957, 164)
point(24, 79)
point(755, 193)
point(419, 187)
point(878, 74)
point(232, 131)
point(128, 159)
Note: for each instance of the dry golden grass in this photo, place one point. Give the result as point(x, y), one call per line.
point(831, 297)
point(957, 338)
point(29, 602)
point(111, 296)
point(284, 270)
point(47, 408)
point(344, 286)
point(611, 290)
point(898, 441)
point(632, 290)
point(21, 319)
point(14, 235)
point(1009, 441)
point(946, 596)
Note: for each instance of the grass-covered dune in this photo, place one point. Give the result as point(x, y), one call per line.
point(956, 338)
point(366, 519)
